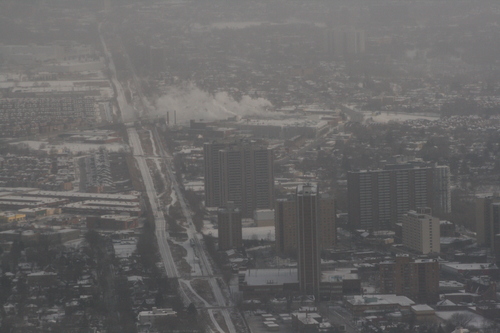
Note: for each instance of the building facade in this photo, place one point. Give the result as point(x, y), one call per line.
point(416, 279)
point(242, 173)
point(421, 232)
point(212, 173)
point(286, 230)
point(229, 226)
point(308, 238)
point(495, 227)
point(378, 199)
point(486, 229)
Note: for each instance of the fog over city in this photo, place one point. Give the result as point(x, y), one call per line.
point(244, 166)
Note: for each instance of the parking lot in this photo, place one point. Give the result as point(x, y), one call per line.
point(256, 323)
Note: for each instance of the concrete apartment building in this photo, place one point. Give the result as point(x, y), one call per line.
point(486, 229)
point(242, 173)
point(416, 279)
point(286, 229)
point(308, 238)
point(229, 226)
point(212, 172)
point(378, 199)
point(421, 231)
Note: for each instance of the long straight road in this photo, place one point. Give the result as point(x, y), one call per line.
point(192, 234)
point(163, 236)
point(127, 111)
point(128, 114)
point(159, 218)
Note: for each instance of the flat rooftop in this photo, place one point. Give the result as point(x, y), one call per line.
point(271, 276)
point(380, 300)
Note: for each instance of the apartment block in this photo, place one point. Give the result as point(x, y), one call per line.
point(486, 229)
point(416, 279)
point(378, 199)
point(286, 230)
point(308, 238)
point(421, 232)
point(242, 173)
point(229, 226)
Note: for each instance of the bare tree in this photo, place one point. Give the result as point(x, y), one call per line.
point(461, 319)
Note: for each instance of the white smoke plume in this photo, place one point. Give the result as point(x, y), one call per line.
point(190, 102)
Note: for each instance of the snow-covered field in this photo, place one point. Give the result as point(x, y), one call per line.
point(74, 147)
point(266, 233)
point(125, 248)
point(385, 117)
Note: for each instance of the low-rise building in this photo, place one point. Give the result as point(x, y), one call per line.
point(11, 217)
point(112, 222)
point(149, 317)
point(469, 270)
point(358, 305)
point(264, 217)
point(338, 283)
point(42, 278)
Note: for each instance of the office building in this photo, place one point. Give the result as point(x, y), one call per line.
point(286, 230)
point(421, 231)
point(308, 238)
point(485, 228)
point(242, 173)
point(229, 227)
point(378, 199)
point(416, 279)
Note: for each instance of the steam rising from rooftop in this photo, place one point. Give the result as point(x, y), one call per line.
point(190, 102)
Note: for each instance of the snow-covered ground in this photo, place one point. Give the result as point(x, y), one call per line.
point(125, 248)
point(153, 143)
point(74, 147)
point(266, 233)
point(385, 117)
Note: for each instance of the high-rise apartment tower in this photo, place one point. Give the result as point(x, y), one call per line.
point(286, 230)
point(242, 173)
point(308, 238)
point(229, 227)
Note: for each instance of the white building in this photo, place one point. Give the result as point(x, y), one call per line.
point(421, 232)
point(149, 317)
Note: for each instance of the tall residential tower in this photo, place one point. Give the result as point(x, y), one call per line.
point(308, 238)
point(285, 222)
point(229, 226)
point(239, 172)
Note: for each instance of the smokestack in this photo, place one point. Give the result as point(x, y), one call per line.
point(168, 118)
point(175, 117)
